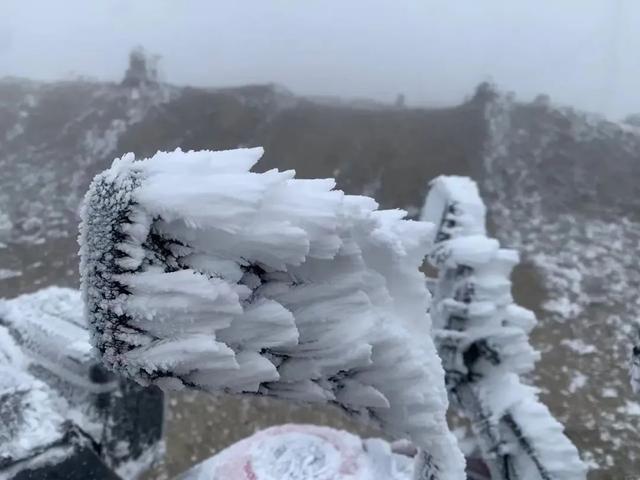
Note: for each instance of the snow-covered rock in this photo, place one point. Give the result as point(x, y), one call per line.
point(198, 273)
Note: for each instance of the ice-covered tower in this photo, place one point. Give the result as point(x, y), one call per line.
point(198, 273)
point(482, 337)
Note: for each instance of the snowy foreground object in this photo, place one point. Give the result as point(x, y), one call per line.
point(61, 414)
point(198, 273)
point(304, 452)
point(482, 337)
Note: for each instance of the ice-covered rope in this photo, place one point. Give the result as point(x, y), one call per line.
point(482, 337)
point(198, 273)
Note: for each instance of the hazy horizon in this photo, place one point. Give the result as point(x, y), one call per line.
point(433, 52)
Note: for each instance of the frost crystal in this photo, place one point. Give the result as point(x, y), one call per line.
point(199, 273)
point(482, 337)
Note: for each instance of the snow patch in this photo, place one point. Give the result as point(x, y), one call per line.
point(579, 346)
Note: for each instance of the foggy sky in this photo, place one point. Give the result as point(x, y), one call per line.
point(581, 52)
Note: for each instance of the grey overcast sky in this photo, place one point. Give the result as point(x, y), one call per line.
point(581, 52)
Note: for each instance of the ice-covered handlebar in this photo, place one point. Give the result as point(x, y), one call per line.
point(198, 273)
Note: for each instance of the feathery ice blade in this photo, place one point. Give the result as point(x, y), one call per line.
point(482, 337)
point(199, 273)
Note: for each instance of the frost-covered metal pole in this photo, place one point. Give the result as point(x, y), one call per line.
point(198, 273)
point(482, 337)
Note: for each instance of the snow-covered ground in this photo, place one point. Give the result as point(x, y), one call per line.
point(54, 136)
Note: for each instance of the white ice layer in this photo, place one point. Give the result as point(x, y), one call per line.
point(199, 273)
point(483, 339)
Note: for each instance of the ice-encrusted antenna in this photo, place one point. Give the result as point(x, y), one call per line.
point(482, 337)
point(198, 273)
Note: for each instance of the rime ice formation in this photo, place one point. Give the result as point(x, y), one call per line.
point(482, 337)
point(199, 273)
point(305, 452)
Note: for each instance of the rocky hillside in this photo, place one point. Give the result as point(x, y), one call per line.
point(561, 185)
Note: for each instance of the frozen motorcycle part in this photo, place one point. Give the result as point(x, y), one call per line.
point(36, 439)
point(199, 273)
point(104, 423)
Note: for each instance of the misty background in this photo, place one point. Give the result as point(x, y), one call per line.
point(580, 52)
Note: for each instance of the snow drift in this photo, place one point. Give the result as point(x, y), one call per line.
point(198, 273)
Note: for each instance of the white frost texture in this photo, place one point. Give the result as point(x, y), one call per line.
point(483, 339)
point(198, 273)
